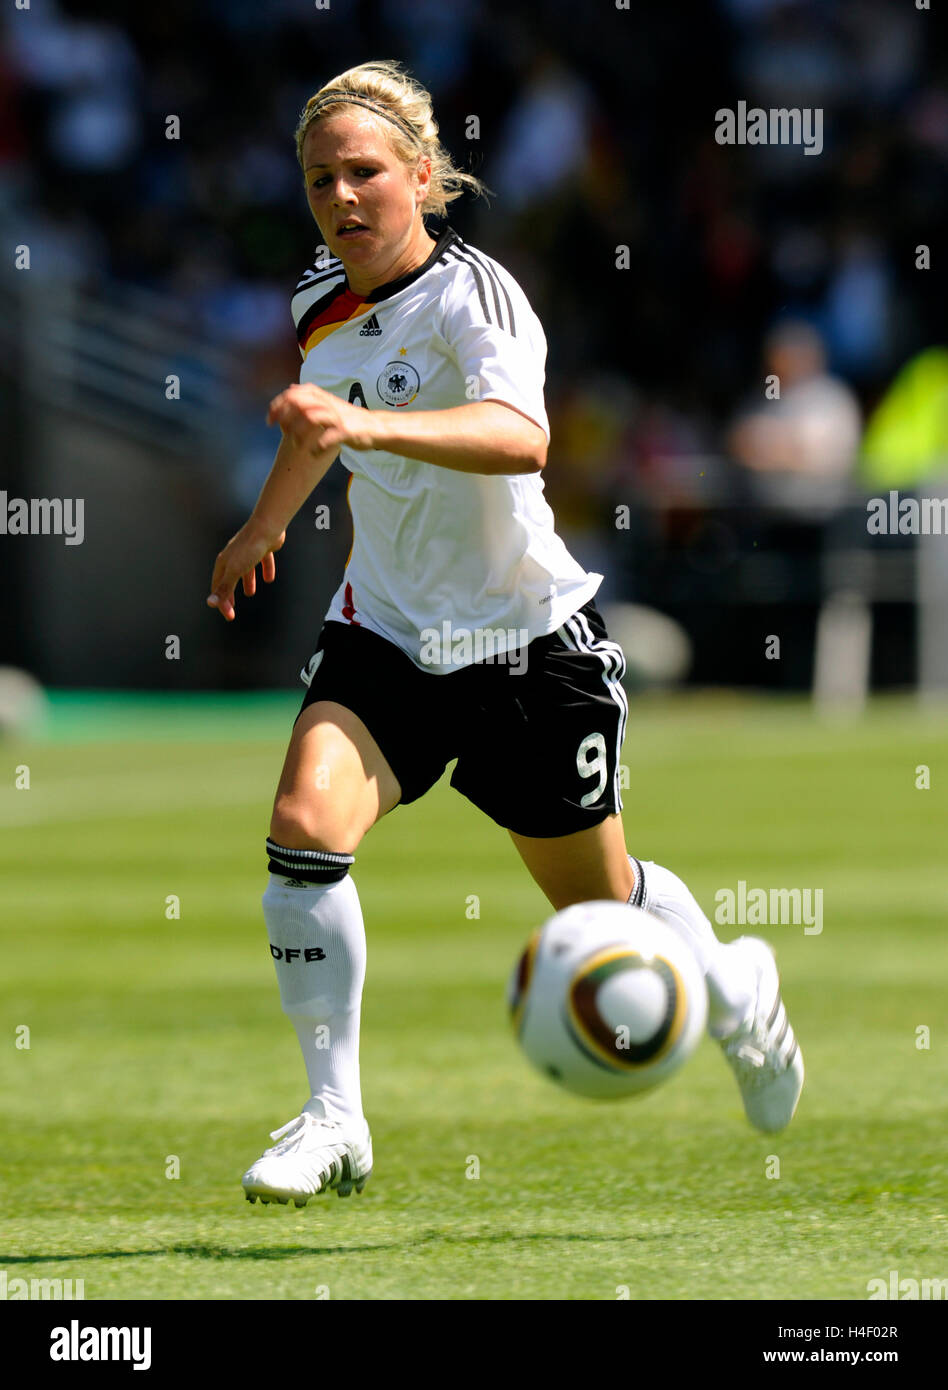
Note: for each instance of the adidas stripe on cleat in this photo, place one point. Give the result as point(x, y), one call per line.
point(312, 1155)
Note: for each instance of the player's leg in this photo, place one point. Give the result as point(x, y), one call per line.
point(334, 786)
point(745, 1011)
point(582, 867)
point(369, 736)
point(594, 863)
point(565, 717)
point(571, 711)
point(335, 782)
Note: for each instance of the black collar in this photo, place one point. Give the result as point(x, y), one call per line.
point(447, 236)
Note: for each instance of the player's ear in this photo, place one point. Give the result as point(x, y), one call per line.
point(422, 178)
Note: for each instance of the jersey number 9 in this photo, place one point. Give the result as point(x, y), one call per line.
point(591, 761)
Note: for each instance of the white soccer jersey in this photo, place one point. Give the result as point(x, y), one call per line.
point(437, 553)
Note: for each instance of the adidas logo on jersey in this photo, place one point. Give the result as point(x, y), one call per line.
point(370, 329)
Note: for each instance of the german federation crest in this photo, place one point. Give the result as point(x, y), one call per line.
point(398, 383)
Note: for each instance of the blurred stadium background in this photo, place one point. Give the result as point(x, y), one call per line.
point(152, 258)
point(133, 815)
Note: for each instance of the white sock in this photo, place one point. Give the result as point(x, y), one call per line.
point(322, 995)
point(730, 980)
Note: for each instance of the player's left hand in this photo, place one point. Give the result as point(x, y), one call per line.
point(238, 562)
point(315, 420)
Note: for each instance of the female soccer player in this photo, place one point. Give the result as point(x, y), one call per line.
point(462, 626)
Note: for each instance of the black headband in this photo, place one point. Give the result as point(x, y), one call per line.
point(358, 99)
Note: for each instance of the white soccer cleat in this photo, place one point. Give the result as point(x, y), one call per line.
point(312, 1155)
point(763, 1052)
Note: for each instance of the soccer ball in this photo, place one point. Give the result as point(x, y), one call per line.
point(607, 1000)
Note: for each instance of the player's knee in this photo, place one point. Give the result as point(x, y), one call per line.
point(321, 825)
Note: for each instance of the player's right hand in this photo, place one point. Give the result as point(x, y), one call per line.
point(238, 561)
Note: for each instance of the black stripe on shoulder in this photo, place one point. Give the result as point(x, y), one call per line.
point(465, 252)
point(464, 260)
point(496, 282)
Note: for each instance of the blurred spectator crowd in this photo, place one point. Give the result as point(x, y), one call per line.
point(597, 132)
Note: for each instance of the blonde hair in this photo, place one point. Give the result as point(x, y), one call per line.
point(406, 107)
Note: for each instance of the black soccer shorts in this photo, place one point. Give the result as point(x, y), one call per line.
point(537, 751)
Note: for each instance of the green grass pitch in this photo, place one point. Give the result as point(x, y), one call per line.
point(153, 1038)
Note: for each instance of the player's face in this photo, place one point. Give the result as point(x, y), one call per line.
point(365, 200)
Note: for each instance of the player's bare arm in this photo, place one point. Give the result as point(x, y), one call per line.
point(294, 474)
point(482, 437)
